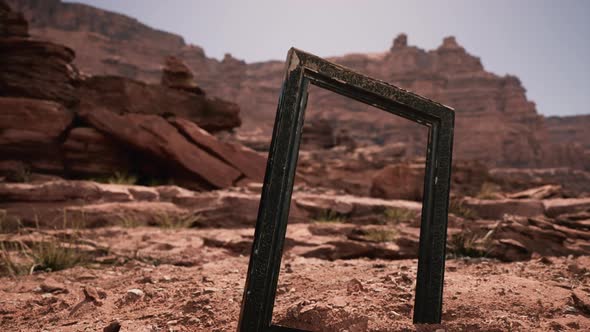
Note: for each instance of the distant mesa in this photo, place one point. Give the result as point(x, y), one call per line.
point(450, 43)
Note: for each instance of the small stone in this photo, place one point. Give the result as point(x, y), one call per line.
point(339, 302)
point(134, 294)
point(50, 286)
point(209, 290)
point(354, 286)
point(581, 301)
point(91, 294)
point(194, 320)
point(114, 326)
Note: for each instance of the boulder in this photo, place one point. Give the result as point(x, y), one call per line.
point(122, 95)
point(248, 161)
point(403, 181)
point(177, 75)
point(37, 69)
point(317, 134)
point(159, 140)
point(406, 181)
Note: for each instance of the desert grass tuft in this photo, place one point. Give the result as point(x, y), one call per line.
point(469, 243)
point(459, 209)
point(488, 190)
point(398, 215)
point(168, 221)
point(122, 178)
point(380, 235)
point(329, 216)
point(53, 256)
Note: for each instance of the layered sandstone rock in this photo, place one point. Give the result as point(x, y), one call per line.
point(364, 229)
point(31, 131)
point(156, 137)
point(89, 152)
point(574, 182)
point(106, 125)
point(33, 68)
point(123, 95)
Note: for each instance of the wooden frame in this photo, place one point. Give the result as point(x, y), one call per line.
point(265, 260)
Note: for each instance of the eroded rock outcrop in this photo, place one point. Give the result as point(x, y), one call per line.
point(100, 126)
point(177, 75)
point(123, 95)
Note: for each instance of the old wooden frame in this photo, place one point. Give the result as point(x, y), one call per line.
point(265, 260)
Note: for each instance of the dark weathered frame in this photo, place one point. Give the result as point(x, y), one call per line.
point(265, 260)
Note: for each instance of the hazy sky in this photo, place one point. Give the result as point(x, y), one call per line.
point(544, 42)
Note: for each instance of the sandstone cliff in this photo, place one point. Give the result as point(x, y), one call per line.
point(496, 123)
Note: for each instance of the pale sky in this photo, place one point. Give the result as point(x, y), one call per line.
point(546, 43)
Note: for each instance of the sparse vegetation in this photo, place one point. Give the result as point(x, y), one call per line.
point(8, 223)
point(329, 216)
point(457, 208)
point(11, 257)
point(53, 256)
point(488, 190)
point(165, 220)
point(469, 243)
point(380, 235)
point(122, 178)
point(22, 174)
point(52, 253)
point(398, 215)
point(48, 255)
point(129, 221)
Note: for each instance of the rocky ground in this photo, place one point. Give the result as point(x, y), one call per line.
point(77, 256)
point(155, 279)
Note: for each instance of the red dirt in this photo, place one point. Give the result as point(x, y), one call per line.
point(186, 285)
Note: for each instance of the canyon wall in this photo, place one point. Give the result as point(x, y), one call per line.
point(496, 123)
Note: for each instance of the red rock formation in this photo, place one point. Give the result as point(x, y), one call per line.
point(496, 123)
point(153, 135)
point(88, 152)
point(31, 130)
point(571, 133)
point(125, 125)
point(123, 95)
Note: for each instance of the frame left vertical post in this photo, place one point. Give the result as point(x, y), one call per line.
point(273, 211)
